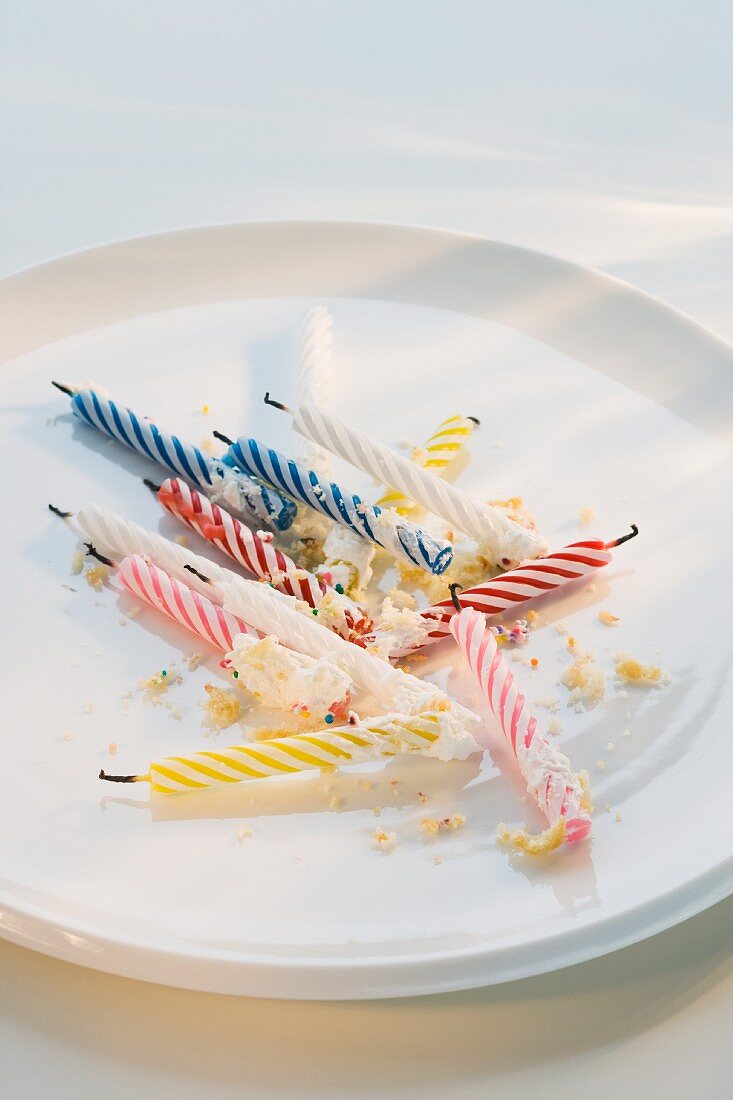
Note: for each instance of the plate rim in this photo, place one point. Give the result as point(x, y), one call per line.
point(340, 978)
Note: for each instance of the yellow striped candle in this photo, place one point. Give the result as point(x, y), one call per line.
point(436, 734)
point(437, 454)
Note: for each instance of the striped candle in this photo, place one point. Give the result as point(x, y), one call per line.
point(502, 538)
point(437, 454)
point(259, 556)
point(560, 793)
point(431, 734)
point(386, 529)
point(315, 377)
point(181, 603)
point(245, 494)
point(527, 582)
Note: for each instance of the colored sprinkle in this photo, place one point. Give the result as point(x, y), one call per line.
point(339, 588)
point(164, 672)
point(314, 610)
point(205, 409)
point(235, 674)
point(329, 718)
point(534, 662)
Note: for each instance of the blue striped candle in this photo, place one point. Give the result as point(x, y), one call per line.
point(386, 529)
point(242, 493)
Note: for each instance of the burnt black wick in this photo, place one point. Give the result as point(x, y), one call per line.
point(475, 419)
point(223, 438)
point(453, 589)
point(117, 778)
point(625, 538)
point(58, 512)
point(94, 553)
point(201, 577)
point(276, 404)
point(64, 389)
point(151, 485)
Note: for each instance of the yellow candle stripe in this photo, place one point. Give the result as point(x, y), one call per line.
point(370, 740)
point(437, 453)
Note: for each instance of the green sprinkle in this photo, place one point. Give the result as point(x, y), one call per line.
point(235, 674)
point(314, 610)
point(339, 588)
point(164, 672)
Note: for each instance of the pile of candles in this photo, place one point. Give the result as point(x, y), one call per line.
point(318, 634)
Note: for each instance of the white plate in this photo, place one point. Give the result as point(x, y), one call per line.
point(590, 393)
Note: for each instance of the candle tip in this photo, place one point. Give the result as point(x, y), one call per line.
point(117, 778)
point(223, 438)
point(94, 553)
point(59, 512)
point(151, 485)
point(276, 404)
point(201, 577)
point(453, 589)
point(624, 538)
point(64, 388)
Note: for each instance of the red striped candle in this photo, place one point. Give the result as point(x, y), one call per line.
point(257, 553)
point(526, 582)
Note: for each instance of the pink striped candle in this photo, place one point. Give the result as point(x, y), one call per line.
point(257, 553)
point(181, 603)
point(560, 793)
point(526, 582)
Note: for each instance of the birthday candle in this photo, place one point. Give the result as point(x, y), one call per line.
point(180, 602)
point(430, 734)
point(121, 537)
point(527, 582)
point(259, 556)
point(501, 538)
point(386, 529)
point(244, 494)
point(560, 793)
point(275, 614)
point(315, 377)
point(437, 454)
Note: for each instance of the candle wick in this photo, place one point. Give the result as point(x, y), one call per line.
point(223, 438)
point(58, 512)
point(94, 553)
point(118, 778)
point(64, 388)
point(475, 419)
point(453, 589)
point(196, 573)
point(151, 485)
point(624, 538)
point(276, 404)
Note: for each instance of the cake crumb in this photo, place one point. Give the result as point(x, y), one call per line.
point(155, 686)
point(377, 811)
point(133, 612)
point(610, 746)
point(77, 563)
point(607, 618)
point(601, 765)
point(618, 817)
point(607, 807)
point(207, 445)
point(562, 627)
point(112, 748)
point(243, 833)
point(177, 713)
point(532, 617)
point(334, 803)
point(554, 726)
point(586, 516)
point(223, 707)
point(422, 796)
point(194, 661)
point(626, 733)
point(550, 702)
point(586, 682)
point(437, 860)
point(384, 842)
point(67, 735)
point(631, 671)
point(97, 576)
point(182, 540)
point(431, 826)
point(87, 708)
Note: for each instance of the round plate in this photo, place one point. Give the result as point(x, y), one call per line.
point(590, 395)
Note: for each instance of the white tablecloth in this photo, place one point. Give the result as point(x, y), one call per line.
point(599, 132)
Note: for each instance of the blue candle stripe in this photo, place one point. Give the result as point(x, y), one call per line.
point(399, 536)
point(242, 493)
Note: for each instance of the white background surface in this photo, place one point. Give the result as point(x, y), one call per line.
point(601, 133)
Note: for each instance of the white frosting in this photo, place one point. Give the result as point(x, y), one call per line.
point(454, 741)
point(398, 630)
point(348, 558)
point(280, 677)
point(543, 760)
